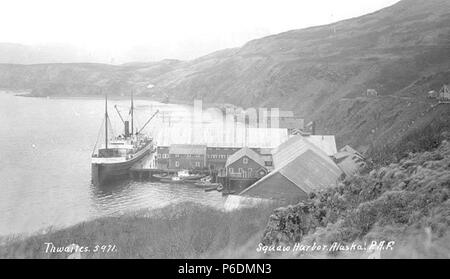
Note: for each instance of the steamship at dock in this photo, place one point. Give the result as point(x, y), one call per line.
point(115, 157)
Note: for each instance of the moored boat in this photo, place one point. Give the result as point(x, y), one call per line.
point(207, 184)
point(161, 176)
point(182, 176)
point(214, 188)
point(193, 178)
point(173, 180)
point(114, 159)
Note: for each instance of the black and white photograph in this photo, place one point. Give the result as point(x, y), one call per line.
point(249, 130)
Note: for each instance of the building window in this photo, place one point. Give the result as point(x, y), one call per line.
point(245, 161)
point(177, 164)
point(268, 163)
point(250, 170)
point(197, 164)
point(230, 170)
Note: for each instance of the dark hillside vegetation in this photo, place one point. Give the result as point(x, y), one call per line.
point(406, 202)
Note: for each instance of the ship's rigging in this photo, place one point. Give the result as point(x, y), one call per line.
point(127, 135)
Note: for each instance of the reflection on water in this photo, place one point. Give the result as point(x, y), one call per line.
point(131, 195)
point(45, 179)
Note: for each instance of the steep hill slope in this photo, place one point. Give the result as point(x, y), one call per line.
point(406, 202)
point(321, 73)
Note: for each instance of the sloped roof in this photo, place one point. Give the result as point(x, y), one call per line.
point(184, 149)
point(245, 152)
point(326, 143)
point(350, 165)
point(350, 150)
point(304, 164)
point(310, 172)
point(293, 148)
point(341, 155)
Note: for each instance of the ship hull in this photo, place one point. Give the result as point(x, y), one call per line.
point(103, 173)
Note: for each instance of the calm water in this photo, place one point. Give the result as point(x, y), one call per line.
point(45, 149)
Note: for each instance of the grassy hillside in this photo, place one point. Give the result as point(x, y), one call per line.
point(406, 202)
point(181, 231)
point(82, 79)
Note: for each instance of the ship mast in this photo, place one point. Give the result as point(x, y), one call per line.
point(132, 115)
point(106, 121)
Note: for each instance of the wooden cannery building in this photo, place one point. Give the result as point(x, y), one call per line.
point(181, 157)
point(301, 168)
point(176, 145)
point(242, 169)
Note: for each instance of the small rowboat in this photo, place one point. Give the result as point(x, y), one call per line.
point(161, 176)
point(175, 180)
point(193, 177)
point(207, 185)
point(226, 193)
point(218, 188)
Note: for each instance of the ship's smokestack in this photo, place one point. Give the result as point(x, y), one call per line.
point(127, 128)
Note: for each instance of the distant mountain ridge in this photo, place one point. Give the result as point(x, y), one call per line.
point(322, 73)
point(11, 53)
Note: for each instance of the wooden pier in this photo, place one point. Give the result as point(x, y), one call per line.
point(146, 169)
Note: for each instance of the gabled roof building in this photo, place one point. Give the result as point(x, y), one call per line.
point(301, 168)
point(243, 168)
point(349, 160)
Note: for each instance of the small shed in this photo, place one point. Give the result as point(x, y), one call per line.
point(300, 169)
point(433, 94)
point(371, 93)
point(293, 124)
point(444, 94)
point(349, 160)
point(351, 150)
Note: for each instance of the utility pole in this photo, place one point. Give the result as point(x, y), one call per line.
point(106, 121)
point(132, 114)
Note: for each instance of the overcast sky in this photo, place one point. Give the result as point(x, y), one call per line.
point(152, 30)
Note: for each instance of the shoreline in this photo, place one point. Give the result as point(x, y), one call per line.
point(26, 93)
point(151, 234)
